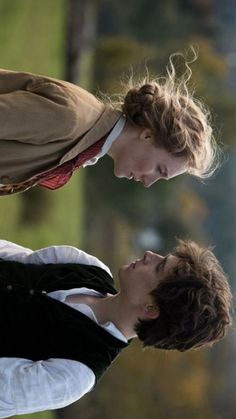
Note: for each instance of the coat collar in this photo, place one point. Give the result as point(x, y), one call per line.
point(105, 123)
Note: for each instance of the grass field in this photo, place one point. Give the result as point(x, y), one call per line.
point(60, 223)
point(32, 35)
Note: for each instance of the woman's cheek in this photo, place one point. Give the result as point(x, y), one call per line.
point(143, 165)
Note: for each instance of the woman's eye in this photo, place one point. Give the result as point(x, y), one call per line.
point(162, 172)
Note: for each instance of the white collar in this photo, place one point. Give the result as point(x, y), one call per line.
point(114, 134)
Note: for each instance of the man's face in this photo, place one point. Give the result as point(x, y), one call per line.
point(139, 278)
point(140, 160)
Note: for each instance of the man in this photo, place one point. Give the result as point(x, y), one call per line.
point(49, 128)
point(63, 322)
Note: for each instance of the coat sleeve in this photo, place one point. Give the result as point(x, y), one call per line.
point(28, 386)
point(34, 109)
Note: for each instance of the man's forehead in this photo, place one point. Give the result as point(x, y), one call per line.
point(170, 263)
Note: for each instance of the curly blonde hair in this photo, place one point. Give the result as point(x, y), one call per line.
point(181, 123)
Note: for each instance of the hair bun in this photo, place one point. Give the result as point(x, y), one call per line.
point(137, 101)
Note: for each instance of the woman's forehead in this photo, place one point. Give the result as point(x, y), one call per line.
point(172, 164)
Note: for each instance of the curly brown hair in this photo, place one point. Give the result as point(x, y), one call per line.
point(195, 303)
point(181, 123)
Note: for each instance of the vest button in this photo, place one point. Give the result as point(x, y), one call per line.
point(31, 292)
point(9, 287)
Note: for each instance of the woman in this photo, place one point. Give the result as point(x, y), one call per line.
point(49, 128)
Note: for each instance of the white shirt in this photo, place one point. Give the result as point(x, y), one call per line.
point(114, 134)
point(27, 386)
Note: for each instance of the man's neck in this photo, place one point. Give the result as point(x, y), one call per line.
point(109, 309)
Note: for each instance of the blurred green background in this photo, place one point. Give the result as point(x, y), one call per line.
point(116, 219)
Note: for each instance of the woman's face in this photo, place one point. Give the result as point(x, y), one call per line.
point(137, 158)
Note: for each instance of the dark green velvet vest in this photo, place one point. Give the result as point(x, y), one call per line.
point(35, 326)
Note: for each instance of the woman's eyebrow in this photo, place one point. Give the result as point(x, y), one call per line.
point(165, 173)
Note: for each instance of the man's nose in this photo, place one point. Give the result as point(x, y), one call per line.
point(149, 256)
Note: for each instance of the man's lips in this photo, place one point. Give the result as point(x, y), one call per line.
point(133, 264)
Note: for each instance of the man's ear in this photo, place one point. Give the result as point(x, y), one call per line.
point(146, 134)
point(151, 311)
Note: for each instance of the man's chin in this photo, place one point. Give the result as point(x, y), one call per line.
point(123, 268)
point(122, 271)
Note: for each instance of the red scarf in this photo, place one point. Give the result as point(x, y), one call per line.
point(58, 177)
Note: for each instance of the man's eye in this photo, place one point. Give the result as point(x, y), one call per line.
point(160, 265)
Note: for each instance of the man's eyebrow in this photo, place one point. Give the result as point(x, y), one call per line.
point(164, 261)
point(162, 264)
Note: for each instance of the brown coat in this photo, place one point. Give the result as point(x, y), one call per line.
point(45, 122)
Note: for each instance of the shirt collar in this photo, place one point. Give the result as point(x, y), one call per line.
point(114, 134)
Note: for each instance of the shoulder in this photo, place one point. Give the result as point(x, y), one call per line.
point(66, 254)
point(73, 93)
point(87, 259)
point(80, 108)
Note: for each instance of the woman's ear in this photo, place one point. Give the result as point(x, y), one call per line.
point(151, 311)
point(146, 134)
